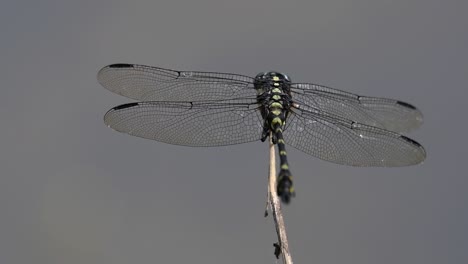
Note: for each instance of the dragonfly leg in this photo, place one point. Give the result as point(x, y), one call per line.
point(266, 133)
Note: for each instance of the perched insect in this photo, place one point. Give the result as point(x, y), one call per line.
point(205, 109)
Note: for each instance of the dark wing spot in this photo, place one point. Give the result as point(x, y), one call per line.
point(125, 106)
point(406, 105)
point(121, 65)
point(409, 140)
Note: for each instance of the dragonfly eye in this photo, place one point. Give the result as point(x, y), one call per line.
point(281, 76)
point(278, 76)
point(272, 74)
point(261, 76)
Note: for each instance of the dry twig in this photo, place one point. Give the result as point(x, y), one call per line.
point(274, 203)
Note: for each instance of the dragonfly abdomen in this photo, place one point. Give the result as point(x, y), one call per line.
point(276, 120)
point(284, 187)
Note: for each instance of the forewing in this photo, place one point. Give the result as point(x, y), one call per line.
point(146, 83)
point(384, 113)
point(199, 124)
point(343, 141)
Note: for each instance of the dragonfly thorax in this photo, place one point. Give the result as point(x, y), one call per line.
point(274, 100)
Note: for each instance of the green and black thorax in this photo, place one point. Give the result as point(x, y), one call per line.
point(274, 99)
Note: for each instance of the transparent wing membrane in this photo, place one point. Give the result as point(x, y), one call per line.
point(346, 142)
point(189, 124)
point(146, 83)
point(384, 113)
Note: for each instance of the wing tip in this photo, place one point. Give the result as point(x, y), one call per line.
point(108, 115)
point(415, 120)
point(102, 73)
point(418, 146)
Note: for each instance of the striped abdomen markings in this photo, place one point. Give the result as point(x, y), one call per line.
point(276, 120)
point(285, 187)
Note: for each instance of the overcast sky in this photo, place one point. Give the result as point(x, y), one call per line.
point(74, 191)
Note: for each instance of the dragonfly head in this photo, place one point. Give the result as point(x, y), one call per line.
point(272, 76)
point(265, 80)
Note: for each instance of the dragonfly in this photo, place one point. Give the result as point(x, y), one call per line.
point(207, 109)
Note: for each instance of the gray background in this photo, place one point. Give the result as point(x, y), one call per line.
point(74, 191)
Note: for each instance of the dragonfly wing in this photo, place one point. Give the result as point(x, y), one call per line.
point(346, 142)
point(147, 83)
point(384, 113)
point(189, 123)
